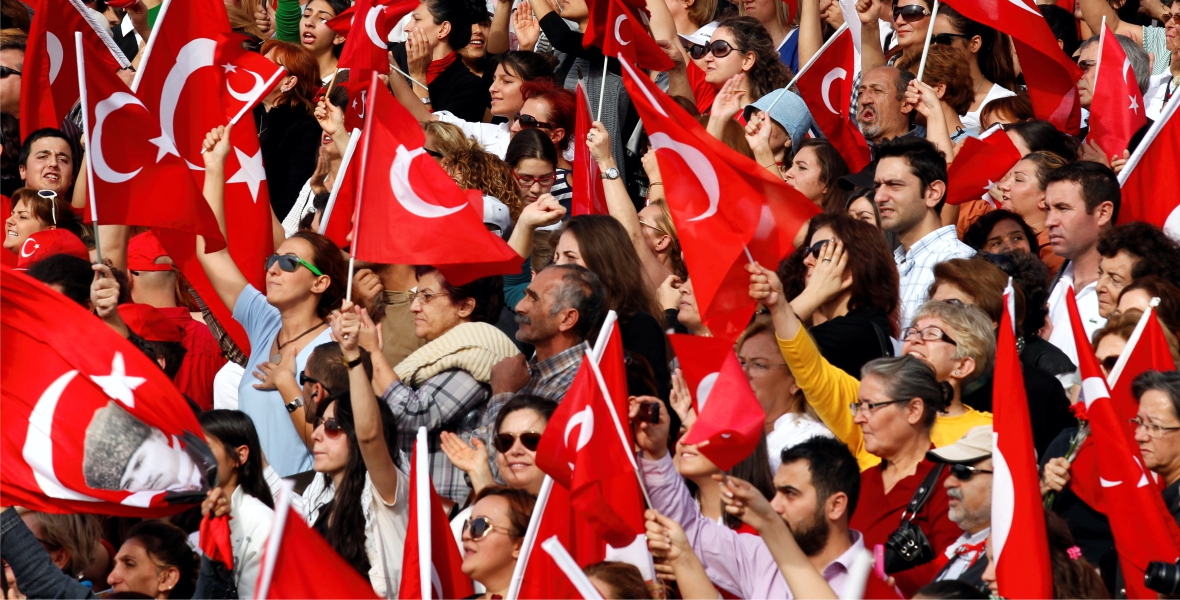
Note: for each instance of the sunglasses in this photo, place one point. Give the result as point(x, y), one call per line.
point(304, 380)
point(946, 39)
point(719, 48)
point(1109, 362)
point(505, 441)
point(910, 13)
point(1175, 18)
point(6, 71)
point(530, 122)
point(529, 180)
point(331, 426)
point(480, 528)
point(966, 472)
point(817, 247)
point(290, 262)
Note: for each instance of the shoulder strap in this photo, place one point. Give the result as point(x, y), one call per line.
point(923, 493)
point(883, 340)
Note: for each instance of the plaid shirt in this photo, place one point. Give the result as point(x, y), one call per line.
point(450, 401)
point(916, 267)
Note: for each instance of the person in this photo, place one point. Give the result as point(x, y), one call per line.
point(305, 282)
point(1009, 109)
point(1002, 232)
point(815, 169)
point(436, 31)
point(34, 211)
point(553, 111)
point(73, 541)
point(1164, 85)
point(881, 113)
point(1130, 251)
point(241, 485)
point(533, 159)
point(12, 59)
point(944, 92)
point(1139, 293)
point(862, 207)
point(1148, 39)
point(1022, 191)
point(1087, 56)
point(774, 136)
point(989, 60)
point(475, 55)
point(315, 35)
point(910, 22)
point(1083, 200)
point(46, 162)
point(288, 133)
point(617, 580)
point(681, 313)
point(969, 489)
point(1156, 423)
point(474, 169)
point(741, 46)
point(780, 24)
point(698, 470)
point(911, 186)
point(492, 537)
point(1040, 136)
point(155, 560)
point(1073, 576)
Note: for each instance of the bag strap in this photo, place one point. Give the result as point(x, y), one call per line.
point(883, 340)
point(923, 493)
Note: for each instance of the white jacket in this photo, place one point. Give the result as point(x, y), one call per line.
point(249, 527)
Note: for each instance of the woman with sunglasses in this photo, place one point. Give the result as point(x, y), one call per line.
point(740, 45)
point(493, 535)
point(910, 19)
point(989, 58)
point(304, 283)
point(33, 211)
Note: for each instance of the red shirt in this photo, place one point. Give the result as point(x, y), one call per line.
point(703, 90)
point(202, 360)
point(878, 514)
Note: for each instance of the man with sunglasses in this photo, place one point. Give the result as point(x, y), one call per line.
point(969, 487)
point(12, 62)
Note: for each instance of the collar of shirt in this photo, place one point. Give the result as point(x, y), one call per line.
point(556, 363)
point(967, 540)
point(907, 259)
point(843, 563)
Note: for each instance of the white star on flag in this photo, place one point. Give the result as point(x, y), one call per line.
point(165, 146)
point(251, 172)
point(989, 185)
point(230, 68)
point(1134, 104)
point(118, 385)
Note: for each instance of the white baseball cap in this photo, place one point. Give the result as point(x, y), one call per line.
point(495, 215)
point(701, 36)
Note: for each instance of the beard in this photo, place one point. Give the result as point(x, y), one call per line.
point(812, 534)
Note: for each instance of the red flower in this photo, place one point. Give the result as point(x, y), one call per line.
point(1079, 411)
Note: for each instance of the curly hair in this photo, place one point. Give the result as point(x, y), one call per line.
point(1156, 253)
point(448, 137)
point(768, 73)
point(474, 169)
point(874, 276)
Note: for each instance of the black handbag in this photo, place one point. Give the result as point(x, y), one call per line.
point(908, 547)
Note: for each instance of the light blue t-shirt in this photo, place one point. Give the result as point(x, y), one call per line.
point(281, 445)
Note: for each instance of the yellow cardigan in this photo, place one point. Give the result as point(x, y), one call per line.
point(830, 390)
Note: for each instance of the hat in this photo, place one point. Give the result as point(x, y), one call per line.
point(496, 215)
point(142, 252)
point(789, 111)
point(43, 244)
point(701, 36)
point(975, 445)
point(861, 180)
point(149, 323)
point(112, 439)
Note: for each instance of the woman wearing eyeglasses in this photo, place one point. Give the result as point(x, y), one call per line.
point(989, 56)
point(493, 535)
point(533, 160)
point(910, 19)
point(33, 211)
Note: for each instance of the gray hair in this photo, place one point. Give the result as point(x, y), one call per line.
point(1140, 63)
point(580, 290)
point(975, 338)
point(906, 378)
point(112, 438)
point(1167, 382)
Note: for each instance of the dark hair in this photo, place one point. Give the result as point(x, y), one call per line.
point(488, 293)
point(833, 468)
point(871, 264)
point(768, 73)
point(906, 378)
point(233, 428)
point(977, 234)
point(1155, 286)
point(1167, 382)
point(461, 14)
point(624, 579)
point(10, 133)
point(754, 469)
point(831, 168)
point(171, 352)
point(1041, 135)
point(1097, 181)
point(73, 274)
point(925, 161)
point(980, 278)
point(995, 56)
point(1064, 26)
point(1157, 253)
point(582, 291)
point(608, 252)
point(16, 16)
point(1016, 108)
point(948, 66)
point(562, 106)
point(1030, 277)
point(520, 504)
point(528, 66)
point(55, 212)
point(537, 404)
point(324, 365)
point(1072, 577)
point(327, 258)
point(951, 589)
point(530, 143)
point(298, 61)
point(45, 132)
point(167, 544)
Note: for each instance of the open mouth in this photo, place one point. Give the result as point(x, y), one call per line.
point(308, 37)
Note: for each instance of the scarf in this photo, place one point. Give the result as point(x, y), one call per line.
point(438, 66)
point(472, 347)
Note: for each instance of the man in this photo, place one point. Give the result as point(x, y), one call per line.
point(47, 162)
point(12, 63)
point(1158, 395)
point(323, 377)
point(1083, 199)
point(153, 282)
point(1088, 60)
point(910, 184)
point(970, 490)
point(881, 112)
point(1164, 85)
point(1128, 252)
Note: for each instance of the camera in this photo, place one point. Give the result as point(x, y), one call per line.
point(1163, 577)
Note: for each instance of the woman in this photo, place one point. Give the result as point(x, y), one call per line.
point(910, 20)
point(74, 543)
point(1073, 575)
point(689, 16)
point(1110, 341)
point(741, 46)
point(155, 560)
point(1139, 293)
point(234, 442)
point(1002, 231)
point(436, 31)
point(945, 95)
point(1002, 111)
point(475, 55)
point(862, 208)
point(779, 23)
point(474, 169)
point(1023, 192)
point(327, 168)
point(288, 132)
point(324, 44)
point(775, 124)
point(816, 169)
point(443, 139)
point(552, 110)
point(533, 160)
point(680, 307)
point(1040, 136)
point(305, 282)
point(618, 580)
point(34, 211)
point(988, 57)
point(493, 535)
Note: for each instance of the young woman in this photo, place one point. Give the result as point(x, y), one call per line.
point(34, 211)
point(234, 443)
point(552, 110)
point(1002, 231)
point(288, 132)
point(475, 55)
point(774, 136)
point(492, 537)
point(910, 20)
point(436, 32)
point(815, 170)
point(944, 93)
point(533, 160)
point(155, 560)
point(315, 35)
point(777, 20)
point(1023, 191)
point(698, 470)
point(989, 58)
point(740, 45)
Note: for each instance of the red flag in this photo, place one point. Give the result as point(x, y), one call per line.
point(828, 82)
point(728, 429)
point(980, 163)
point(598, 26)
point(248, 75)
point(1143, 528)
point(123, 175)
point(757, 221)
point(628, 37)
point(1053, 89)
point(215, 539)
point(1019, 542)
point(49, 84)
point(1116, 108)
point(367, 51)
point(430, 557)
point(404, 189)
point(589, 197)
point(336, 222)
point(536, 574)
point(1146, 194)
point(92, 427)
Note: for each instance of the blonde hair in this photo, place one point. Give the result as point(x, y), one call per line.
point(971, 329)
point(664, 222)
point(474, 169)
point(448, 137)
point(76, 534)
point(782, 10)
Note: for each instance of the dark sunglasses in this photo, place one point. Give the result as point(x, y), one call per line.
point(1109, 362)
point(817, 247)
point(966, 472)
point(304, 380)
point(910, 13)
point(529, 439)
point(531, 122)
point(290, 262)
point(6, 71)
point(434, 153)
point(719, 48)
point(946, 39)
point(480, 528)
point(331, 426)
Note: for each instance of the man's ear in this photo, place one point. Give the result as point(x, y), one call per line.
point(935, 192)
point(568, 319)
point(1104, 213)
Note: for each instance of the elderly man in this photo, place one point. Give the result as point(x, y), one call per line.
point(970, 490)
point(881, 111)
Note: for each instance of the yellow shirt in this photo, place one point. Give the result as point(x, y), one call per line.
point(948, 430)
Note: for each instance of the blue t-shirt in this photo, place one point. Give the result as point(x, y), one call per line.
point(281, 445)
point(788, 52)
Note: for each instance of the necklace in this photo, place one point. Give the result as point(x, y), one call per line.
point(278, 355)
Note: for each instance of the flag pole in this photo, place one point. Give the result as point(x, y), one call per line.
point(149, 45)
point(86, 136)
point(353, 138)
point(570, 567)
point(422, 494)
point(356, 213)
point(250, 103)
point(926, 46)
point(614, 415)
point(530, 539)
point(602, 87)
point(807, 66)
point(271, 553)
point(1165, 116)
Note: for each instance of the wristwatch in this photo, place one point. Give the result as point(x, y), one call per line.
point(294, 404)
point(611, 173)
point(349, 364)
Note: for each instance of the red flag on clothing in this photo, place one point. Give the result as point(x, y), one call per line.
point(1146, 195)
point(980, 163)
point(628, 37)
point(589, 197)
point(1019, 543)
point(92, 427)
point(1116, 108)
point(828, 83)
point(215, 539)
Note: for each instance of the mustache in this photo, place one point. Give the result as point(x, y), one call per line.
point(523, 320)
point(955, 493)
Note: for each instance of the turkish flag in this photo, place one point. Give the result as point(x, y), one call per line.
point(980, 163)
point(430, 559)
point(1116, 109)
point(49, 81)
point(402, 189)
point(599, 25)
point(248, 75)
point(1053, 88)
point(536, 574)
point(1019, 543)
point(92, 427)
point(757, 221)
point(589, 197)
point(728, 428)
point(336, 222)
point(350, 93)
point(1146, 195)
point(124, 177)
point(828, 82)
point(368, 50)
point(629, 37)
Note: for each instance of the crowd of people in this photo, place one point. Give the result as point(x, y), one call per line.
point(872, 351)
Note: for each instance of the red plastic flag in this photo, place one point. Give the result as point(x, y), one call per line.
point(248, 75)
point(215, 539)
point(336, 221)
point(980, 163)
point(589, 197)
point(598, 26)
point(536, 575)
point(402, 189)
point(367, 50)
point(1019, 543)
point(92, 427)
point(628, 37)
point(828, 82)
point(1116, 109)
point(1146, 195)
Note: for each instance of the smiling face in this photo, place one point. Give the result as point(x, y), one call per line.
point(21, 223)
point(1021, 192)
point(518, 466)
point(1007, 236)
point(911, 34)
point(315, 35)
point(1114, 274)
point(720, 70)
point(938, 353)
point(804, 175)
point(50, 166)
point(136, 572)
point(490, 558)
point(505, 92)
point(476, 48)
point(693, 465)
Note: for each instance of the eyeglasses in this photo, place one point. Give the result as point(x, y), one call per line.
point(530, 122)
point(910, 13)
point(871, 407)
point(1175, 18)
point(1152, 429)
point(719, 48)
point(1109, 362)
point(650, 226)
point(505, 441)
point(964, 473)
point(290, 262)
point(6, 71)
point(529, 180)
point(332, 427)
point(304, 380)
point(818, 247)
point(480, 528)
point(927, 334)
point(425, 297)
point(434, 153)
point(761, 367)
point(946, 39)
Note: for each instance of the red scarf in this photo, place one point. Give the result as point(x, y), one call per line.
point(438, 66)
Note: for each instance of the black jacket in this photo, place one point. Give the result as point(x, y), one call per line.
point(290, 141)
point(854, 339)
point(1048, 406)
point(456, 90)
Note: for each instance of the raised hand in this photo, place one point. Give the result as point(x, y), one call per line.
point(730, 99)
point(466, 457)
point(419, 53)
point(923, 98)
point(528, 30)
point(346, 327)
point(652, 438)
point(827, 281)
point(745, 502)
point(598, 140)
point(329, 116)
point(681, 400)
point(868, 10)
point(765, 286)
point(215, 148)
point(546, 210)
point(367, 288)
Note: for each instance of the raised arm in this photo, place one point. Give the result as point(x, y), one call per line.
point(223, 273)
point(545, 211)
point(811, 33)
point(1094, 10)
point(498, 38)
point(871, 53)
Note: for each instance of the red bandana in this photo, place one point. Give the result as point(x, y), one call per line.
point(437, 67)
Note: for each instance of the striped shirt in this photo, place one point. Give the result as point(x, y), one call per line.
point(916, 266)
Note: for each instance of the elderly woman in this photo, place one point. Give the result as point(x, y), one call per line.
point(493, 535)
point(1158, 395)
